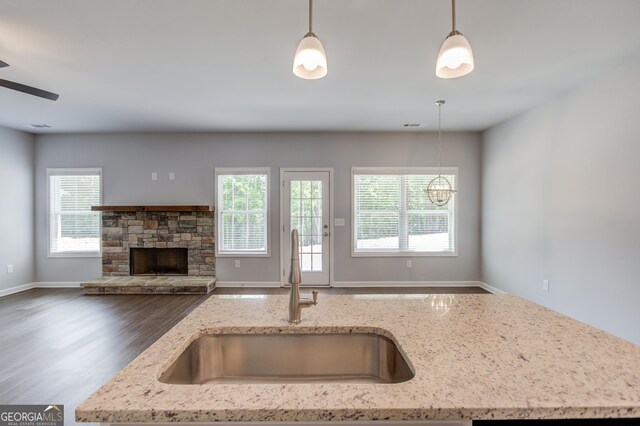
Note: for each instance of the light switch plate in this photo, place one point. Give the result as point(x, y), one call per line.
point(9, 269)
point(339, 221)
point(409, 264)
point(154, 176)
point(237, 263)
point(172, 176)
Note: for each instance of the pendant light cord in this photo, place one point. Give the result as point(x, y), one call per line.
point(453, 14)
point(310, 15)
point(439, 136)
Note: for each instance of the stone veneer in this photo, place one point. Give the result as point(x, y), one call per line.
point(124, 230)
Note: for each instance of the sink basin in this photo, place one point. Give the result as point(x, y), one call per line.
point(289, 358)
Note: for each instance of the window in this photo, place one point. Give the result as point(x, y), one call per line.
point(243, 211)
point(392, 215)
point(74, 230)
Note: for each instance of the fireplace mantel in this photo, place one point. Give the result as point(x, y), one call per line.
point(151, 208)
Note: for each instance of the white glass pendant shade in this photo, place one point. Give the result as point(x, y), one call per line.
point(455, 58)
point(310, 60)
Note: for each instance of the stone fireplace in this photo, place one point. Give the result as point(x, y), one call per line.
point(154, 246)
point(122, 231)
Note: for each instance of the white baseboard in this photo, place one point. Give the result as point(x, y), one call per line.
point(248, 284)
point(29, 286)
point(491, 288)
point(406, 284)
point(16, 289)
point(70, 284)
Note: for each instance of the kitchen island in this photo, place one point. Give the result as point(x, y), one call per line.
point(473, 356)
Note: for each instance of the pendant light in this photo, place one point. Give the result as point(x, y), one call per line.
point(455, 58)
point(310, 61)
point(439, 189)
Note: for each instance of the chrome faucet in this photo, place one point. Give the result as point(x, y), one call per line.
point(295, 278)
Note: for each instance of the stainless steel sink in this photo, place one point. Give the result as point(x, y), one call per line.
point(289, 358)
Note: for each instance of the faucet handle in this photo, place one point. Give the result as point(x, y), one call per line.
point(315, 296)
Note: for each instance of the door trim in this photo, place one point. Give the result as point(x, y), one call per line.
point(284, 239)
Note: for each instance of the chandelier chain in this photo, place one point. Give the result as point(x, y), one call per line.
point(439, 135)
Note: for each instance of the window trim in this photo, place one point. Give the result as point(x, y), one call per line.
point(243, 171)
point(60, 171)
point(405, 171)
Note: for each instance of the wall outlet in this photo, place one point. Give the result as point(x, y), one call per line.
point(237, 263)
point(409, 264)
point(339, 221)
point(545, 285)
point(9, 269)
point(154, 176)
point(172, 176)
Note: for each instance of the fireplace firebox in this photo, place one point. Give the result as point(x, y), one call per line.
point(159, 261)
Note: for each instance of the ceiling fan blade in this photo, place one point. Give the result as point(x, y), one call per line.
point(29, 90)
point(3, 64)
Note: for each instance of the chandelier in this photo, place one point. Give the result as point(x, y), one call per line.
point(439, 189)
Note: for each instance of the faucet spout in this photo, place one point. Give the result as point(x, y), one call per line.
point(295, 278)
point(295, 275)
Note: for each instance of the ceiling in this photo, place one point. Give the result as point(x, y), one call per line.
point(225, 65)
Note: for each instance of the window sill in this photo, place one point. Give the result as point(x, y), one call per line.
point(242, 254)
point(73, 255)
point(404, 254)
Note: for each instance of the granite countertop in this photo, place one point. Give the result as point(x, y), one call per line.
point(474, 356)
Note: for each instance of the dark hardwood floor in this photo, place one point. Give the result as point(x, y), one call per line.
point(59, 346)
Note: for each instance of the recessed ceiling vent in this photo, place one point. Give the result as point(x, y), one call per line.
point(40, 126)
point(411, 125)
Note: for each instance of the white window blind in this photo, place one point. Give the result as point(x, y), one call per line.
point(242, 211)
point(393, 215)
point(74, 230)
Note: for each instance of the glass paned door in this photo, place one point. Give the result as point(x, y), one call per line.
point(307, 210)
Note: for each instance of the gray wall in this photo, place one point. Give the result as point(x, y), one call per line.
point(128, 160)
point(561, 201)
point(17, 212)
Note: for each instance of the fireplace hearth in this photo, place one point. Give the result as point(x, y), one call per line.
point(156, 250)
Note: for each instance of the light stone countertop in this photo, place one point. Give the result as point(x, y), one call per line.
point(474, 356)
